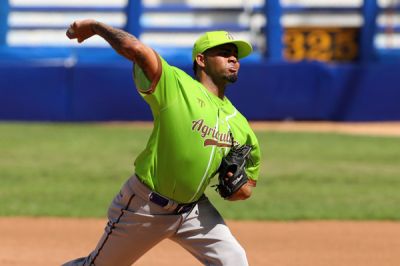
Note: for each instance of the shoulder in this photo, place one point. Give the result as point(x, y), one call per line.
point(179, 73)
point(241, 121)
point(179, 78)
point(167, 67)
point(237, 114)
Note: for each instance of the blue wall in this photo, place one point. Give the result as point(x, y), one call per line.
point(46, 90)
point(316, 91)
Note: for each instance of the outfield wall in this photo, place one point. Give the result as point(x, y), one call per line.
point(46, 77)
point(63, 90)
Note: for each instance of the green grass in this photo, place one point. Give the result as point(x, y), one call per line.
point(75, 170)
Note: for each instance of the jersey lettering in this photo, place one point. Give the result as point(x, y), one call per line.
point(211, 136)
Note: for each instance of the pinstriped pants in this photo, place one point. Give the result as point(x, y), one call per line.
point(136, 225)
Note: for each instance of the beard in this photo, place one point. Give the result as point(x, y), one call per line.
point(232, 78)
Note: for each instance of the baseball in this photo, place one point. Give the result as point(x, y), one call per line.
point(71, 31)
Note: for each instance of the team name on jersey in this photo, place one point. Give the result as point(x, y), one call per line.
point(211, 136)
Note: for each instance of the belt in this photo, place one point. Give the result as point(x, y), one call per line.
point(170, 205)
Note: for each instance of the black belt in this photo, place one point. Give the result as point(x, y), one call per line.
point(163, 202)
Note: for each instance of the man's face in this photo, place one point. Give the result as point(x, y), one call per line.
point(221, 62)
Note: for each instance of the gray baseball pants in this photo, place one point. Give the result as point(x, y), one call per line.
point(136, 224)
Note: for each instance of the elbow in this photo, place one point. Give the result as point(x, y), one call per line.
point(131, 49)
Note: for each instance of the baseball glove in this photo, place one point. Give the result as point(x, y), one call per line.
point(235, 162)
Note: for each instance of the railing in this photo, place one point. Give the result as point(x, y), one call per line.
point(387, 40)
point(59, 17)
point(191, 20)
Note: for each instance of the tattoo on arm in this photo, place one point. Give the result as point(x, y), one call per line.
point(126, 45)
point(115, 37)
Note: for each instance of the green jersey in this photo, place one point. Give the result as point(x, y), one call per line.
point(192, 132)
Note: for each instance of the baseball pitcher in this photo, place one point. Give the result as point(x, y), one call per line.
point(198, 134)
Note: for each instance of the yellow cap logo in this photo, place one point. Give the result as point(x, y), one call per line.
point(229, 36)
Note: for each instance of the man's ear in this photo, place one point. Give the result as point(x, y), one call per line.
point(200, 60)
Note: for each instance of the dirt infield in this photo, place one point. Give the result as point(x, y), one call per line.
point(51, 241)
point(359, 128)
point(372, 129)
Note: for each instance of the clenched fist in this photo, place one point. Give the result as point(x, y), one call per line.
point(81, 30)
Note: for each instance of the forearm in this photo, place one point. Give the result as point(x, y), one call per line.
point(243, 193)
point(122, 42)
